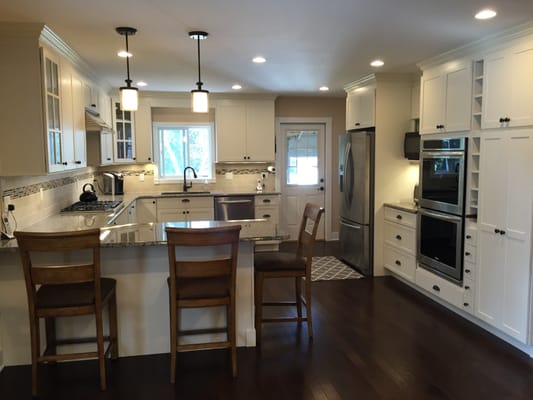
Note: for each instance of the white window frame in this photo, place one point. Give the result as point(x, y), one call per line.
point(157, 152)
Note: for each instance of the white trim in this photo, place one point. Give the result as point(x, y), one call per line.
point(328, 122)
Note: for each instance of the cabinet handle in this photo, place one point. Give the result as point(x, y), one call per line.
point(149, 158)
point(496, 230)
point(507, 119)
point(77, 162)
point(399, 217)
point(64, 163)
point(502, 120)
point(467, 271)
point(134, 158)
point(467, 287)
point(502, 232)
point(185, 200)
point(398, 262)
point(468, 237)
point(108, 159)
point(266, 216)
point(357, 124)
point(398, 237)
point(266, 200)
point(467, 253)
point(466, 304)
point(436, 288)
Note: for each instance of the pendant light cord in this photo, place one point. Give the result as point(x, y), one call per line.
point(128, 81)
point(199, 83)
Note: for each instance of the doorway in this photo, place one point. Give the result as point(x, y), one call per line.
point(302, 156)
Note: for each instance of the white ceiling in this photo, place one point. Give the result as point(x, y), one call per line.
point(307, 43)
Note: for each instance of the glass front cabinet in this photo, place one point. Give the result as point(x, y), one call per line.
point(124, 149)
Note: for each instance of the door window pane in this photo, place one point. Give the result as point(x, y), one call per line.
point(302, 157)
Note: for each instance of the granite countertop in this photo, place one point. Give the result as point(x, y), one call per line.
point(407, 206)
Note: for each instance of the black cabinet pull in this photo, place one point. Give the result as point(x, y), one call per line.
point(266, 200)
point(398, 262)
point(77, 162)
point(467, 287)
point(149, 158)
point(134, 158)
point(467, 253)
point(466, 304)
point(185, 200)
point(398, 237)
point(399, 217)
point(266, 216)
point(496, 230)
point(467, 271)
point(153, 202)
point(507, 119)
point(502, 232)
point(436, 288)
point(357, 124)
point(468, 237)
point(108, 159)
point(502, 120)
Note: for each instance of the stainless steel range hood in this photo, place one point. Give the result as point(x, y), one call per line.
point(94, 123)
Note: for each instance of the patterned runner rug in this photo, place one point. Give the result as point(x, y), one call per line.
point(330, 268)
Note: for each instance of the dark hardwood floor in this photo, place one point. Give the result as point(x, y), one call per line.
point(374, 339)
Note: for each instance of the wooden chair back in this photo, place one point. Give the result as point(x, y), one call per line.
point(308, 231)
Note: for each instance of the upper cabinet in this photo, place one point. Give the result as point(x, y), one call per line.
point(360, 107)
point(123, 123)
point(446, 95)
point(143, 132)
point(508, 87)
point(245, 130)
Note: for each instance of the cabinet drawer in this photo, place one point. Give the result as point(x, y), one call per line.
point(401, 217)
point(440, 287)
point(399, 262)
point(400, 236)
point(266, 200)
point(470, 254)
point(185, 202)
point(471, 237)
point(270, 213)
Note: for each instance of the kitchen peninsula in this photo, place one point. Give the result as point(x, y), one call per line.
point(136, 256)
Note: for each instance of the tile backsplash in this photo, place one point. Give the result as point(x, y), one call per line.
point(36, 198)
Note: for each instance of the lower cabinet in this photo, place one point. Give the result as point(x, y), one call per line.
point(440, 287)
point(399, 250)
point(267, 207)
point(146, 210)
point(178, 209)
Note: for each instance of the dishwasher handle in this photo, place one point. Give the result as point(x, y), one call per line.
point(234, 201)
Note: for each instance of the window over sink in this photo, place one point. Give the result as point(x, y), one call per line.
point(179, 145)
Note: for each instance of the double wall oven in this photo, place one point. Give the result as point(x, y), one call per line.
point(441, 213)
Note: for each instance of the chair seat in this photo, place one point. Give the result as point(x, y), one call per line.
point(72, 294)
point(201, 288)
point(279, 261)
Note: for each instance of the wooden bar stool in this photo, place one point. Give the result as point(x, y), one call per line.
point(289, 265)
point(60, 289)
point(207, 280)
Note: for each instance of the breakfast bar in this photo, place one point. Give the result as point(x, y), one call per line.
point(136, 256)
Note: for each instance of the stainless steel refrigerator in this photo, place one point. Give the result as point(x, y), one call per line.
point(356, 172)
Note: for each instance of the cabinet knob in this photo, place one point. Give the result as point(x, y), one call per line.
point(149, 158)
point(64, 163)
point(468, 237)
point(502, 232)
point(134, 158)
point(398, 237)
point(436, 288)
point(399, 217)
point(496, 230)
point(266, 216)
point(467, 287)
point(467, 271)
point(467, 253)
point(185, 200)
point(77, 162)
point(466, 304)
point(507, 119)
point(266, 200)
point(398, 262)
point(501, 120)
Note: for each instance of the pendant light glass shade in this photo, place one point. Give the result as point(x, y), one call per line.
point(129, 96)
point(199, 96)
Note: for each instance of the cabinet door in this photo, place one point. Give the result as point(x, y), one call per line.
point(433, 101)
point(230, 121)
point(125, 134)
point(78, 116)
point(360, 108)
point(67, 99)
point(260, 130)
point(521, 82)
point(146, 210)
point(143, 133)
point(496, 90)
point(106, 148)
point(458, 99)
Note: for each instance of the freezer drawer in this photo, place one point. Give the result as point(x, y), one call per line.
point(356, 247)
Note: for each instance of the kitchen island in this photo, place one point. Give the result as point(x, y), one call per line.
point(136, 256)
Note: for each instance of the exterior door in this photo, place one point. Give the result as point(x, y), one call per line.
point(302, 173)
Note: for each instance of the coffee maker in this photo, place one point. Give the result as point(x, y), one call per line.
point(113, 183)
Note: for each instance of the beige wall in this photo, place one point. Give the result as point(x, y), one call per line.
point(320, 107)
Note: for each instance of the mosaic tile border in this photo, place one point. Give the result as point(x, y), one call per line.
point(24, 191)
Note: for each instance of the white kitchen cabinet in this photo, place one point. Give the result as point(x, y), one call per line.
point(508, 87)
point(100, 148)
point(360, 107)
point(185, 208)
point(124, 125)
point(446, 95)
point(440, 287)
point(267, 206)
point(245, 130)
point(504, 231)
point(143, 133)
point(146, 210)
point(399, 250)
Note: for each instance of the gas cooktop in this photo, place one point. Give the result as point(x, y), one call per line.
point(104, 205)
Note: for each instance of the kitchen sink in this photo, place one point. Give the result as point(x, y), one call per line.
point(182, 193)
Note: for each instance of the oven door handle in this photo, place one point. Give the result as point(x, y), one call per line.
point(445, 217)
point(443, 154)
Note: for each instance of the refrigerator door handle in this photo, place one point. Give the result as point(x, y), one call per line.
point(351, 225)
point(348, 171)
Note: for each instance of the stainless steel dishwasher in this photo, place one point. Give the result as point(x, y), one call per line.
point(234, 207)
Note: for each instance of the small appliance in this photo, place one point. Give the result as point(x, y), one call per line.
point(113, 183)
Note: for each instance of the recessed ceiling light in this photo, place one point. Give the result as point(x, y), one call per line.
point(259, 60)
point(124, 54)
point(377, 63)
point(486, 14)
point(141, 83)
point(236, 87)
point(323, 88)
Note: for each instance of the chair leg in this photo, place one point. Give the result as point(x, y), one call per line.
point(308, 307)
point(298, 290)
point(113, 329)
point(173, 340)
point(232, 336)
point(35, 352)
point(258, 302)
point(50, 328)
point(100, 348)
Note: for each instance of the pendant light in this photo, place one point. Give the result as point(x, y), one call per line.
point(199, 99)
point(129, 96)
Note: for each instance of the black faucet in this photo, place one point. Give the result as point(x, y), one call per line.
point(185, 184)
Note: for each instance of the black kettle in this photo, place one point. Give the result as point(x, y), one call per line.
point(89, 194)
